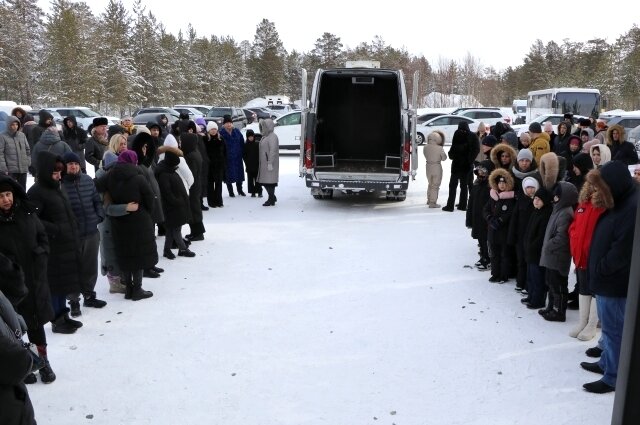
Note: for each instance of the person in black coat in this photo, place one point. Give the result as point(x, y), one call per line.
point(24, 240)
point(175, 203)
point(217, 153)
point(251, 156)
point(533, 241)
point(582, 164)
point(609, 266)
point(475, 218)
point(497, 212)
point(75, 137)
point(55, 212)
point(133, 233)
point(464, 149)
point(189, 146)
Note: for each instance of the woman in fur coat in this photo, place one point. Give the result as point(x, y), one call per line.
point(434, 154)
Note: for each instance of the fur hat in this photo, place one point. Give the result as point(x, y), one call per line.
point(568, 116)
point(5, 186)
point(525, 154)
point(211, 125)
point(435, 138)
point(226, 119)
point(100, 121)
point(535, 127)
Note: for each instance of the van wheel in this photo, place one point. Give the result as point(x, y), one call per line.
point(317, 196)
point(420, 138)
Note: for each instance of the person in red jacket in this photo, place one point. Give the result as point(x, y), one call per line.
point(592, 202)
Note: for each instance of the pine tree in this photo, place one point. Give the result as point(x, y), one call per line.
point(266, 63)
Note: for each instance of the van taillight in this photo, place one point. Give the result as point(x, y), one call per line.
point(406, 156)
point(308, 163)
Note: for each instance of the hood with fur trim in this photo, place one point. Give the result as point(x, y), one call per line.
point(609, 137)
point(549, 168)
point(498, 150)
point(500, 173)
point(436, 137)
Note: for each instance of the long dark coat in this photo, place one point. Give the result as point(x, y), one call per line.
point(55, 212)
point(75, 137)
point(235, 143)
point(534, 234)
point(134, 233)
point(146, 161)
point(194, 161)
point(251, 156)
point(24, 240)
point(175, 200)
point(217, 153)
point(499, 206)
point(463, 151)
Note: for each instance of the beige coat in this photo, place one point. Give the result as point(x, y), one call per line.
point(434, 154)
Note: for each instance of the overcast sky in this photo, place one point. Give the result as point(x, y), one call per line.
point(500, 33)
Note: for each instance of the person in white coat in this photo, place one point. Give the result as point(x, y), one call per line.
point(269, 161)
point(434, 154)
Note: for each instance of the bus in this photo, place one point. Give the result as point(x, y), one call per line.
point(585, 102)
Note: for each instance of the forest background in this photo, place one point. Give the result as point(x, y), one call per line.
point(120, 60)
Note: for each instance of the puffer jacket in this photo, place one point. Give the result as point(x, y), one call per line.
point(556, 254)
point(15, 154)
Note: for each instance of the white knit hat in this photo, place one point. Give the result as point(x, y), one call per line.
point(211, 125)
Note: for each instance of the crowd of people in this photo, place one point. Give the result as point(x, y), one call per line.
point(542, 205)
point(59, 233)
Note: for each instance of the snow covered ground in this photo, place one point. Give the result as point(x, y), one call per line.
point(349, 311)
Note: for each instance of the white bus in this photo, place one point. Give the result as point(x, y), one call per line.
point(577, 101)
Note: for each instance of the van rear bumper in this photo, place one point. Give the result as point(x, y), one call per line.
point(368, 185)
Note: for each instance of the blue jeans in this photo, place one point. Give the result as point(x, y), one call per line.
point(611, 312)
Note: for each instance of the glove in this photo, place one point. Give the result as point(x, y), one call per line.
point(495, 223)
point(270, 167)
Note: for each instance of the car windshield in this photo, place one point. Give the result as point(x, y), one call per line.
point(219, 112)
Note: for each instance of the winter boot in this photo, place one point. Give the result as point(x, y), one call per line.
point(549, 307)
point(557, 314)
point(129, 288)
point(589, 331)
point(60, 324)
point(74, 305)
point(137, 292)
point(585, 303)
point(30, 379)
point(115, 285)
point(75, 323)
point(46, 373)
point(91, 301)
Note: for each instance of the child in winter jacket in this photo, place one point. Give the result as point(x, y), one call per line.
point(518, 226)
point(434, 154)
point(593, 201)
point(556, 256)
point(533, 240)
point(498, 212)
point(251, 157)
point(475, 218)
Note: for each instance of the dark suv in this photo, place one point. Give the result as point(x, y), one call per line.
point(217, 113)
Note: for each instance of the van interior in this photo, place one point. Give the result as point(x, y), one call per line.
point(359, 122)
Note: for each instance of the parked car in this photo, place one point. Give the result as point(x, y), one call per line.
point(57, 118)
point(555, 119)
point(634, 137)
point(457, 111)
point(84, 116)
point(192, 112)
point(488, 116)
point(448, 124)
point(426, 117)
point(141, 120)
point(280, 110)
point(202, 108)
point(157, 110)
point(628, 121)
point(251, 116)
point(287, 128)
point(3, 121)
point(217, 113)
point(263, 113)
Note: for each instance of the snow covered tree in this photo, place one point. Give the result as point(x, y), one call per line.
point(266, 63)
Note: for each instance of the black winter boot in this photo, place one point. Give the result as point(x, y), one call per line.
point(557, 314)
point(75, 323)
point(138, 293)
point(550, 303)
point(91, 301)
point(30, 379)
point(46, 373)
point(61, 326)
point(74, 305)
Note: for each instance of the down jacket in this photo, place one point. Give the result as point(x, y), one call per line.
point(15, 154)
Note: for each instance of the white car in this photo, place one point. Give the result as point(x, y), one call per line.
point(448, 124)
point(287, 128)
point(84, 116)
point(555, 119)
point(488, 116)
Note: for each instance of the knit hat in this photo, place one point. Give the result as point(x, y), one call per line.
point(568, 116)
point(128, 157)
point(5, 186)
point(585, 122)
point(201, 121)
point(171, 159)
point(544, 195)
point(211, 125)
point(489, 140)
point(601, 125)
point(525, 154)
point(511, 138)
point(535, 127)
point(574, 140)
point(530, 182)
point(250, 133)
point(71, 157)
point(100, 121)
point(226, 119)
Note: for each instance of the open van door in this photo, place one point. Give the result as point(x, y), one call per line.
point(414, 118)
point(303, 120)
